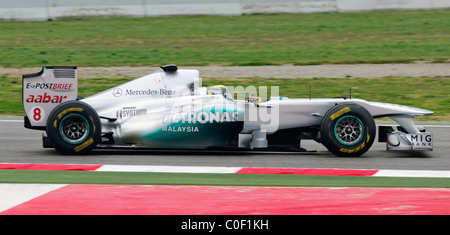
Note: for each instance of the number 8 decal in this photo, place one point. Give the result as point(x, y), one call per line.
point(37, 114)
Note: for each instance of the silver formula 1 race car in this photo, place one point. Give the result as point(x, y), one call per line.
point(169, 109)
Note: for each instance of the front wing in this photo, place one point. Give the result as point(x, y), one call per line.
point(398, 140)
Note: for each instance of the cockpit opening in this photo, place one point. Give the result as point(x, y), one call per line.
point(220, 90)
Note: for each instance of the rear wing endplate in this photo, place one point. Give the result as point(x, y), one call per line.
point(43, 91)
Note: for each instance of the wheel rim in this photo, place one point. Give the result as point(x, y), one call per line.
point(74, 128)
point(349, 130)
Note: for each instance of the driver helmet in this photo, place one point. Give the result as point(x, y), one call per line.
point(219, 90)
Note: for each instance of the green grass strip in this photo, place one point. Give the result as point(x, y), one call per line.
point(357, 37)
point(142, 178)
point(427, 93)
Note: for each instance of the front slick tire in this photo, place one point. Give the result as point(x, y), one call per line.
point(73, 128)
point(348, 130)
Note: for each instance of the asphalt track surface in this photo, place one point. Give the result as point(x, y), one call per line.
point(20, 145)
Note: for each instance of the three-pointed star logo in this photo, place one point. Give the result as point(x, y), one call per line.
point(117, 92)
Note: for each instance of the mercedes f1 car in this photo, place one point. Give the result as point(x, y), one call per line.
point(169, 109)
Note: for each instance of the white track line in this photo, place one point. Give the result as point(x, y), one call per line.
point(233, 170)
point(412, 173)
point(9, 121)
point(168, 169)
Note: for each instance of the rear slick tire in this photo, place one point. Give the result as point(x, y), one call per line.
point(348, 130)
point(73, 128)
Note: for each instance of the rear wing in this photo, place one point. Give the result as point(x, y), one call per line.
point(43, 91)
